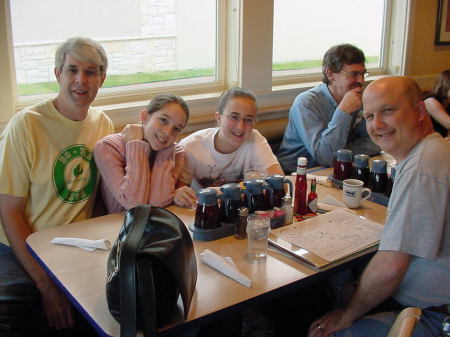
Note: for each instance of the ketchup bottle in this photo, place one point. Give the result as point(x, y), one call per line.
point(312, 197)
point(300, 187)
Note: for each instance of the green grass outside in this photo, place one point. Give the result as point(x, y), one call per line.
point(138, 78)
point(308, 64)
point(297, 65)
point(118, 80)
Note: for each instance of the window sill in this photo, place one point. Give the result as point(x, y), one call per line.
point(273, 106)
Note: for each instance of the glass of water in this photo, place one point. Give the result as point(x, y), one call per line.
point(255, 174)
point(258, 228)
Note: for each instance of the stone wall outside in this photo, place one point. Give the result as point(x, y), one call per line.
point(153, 50)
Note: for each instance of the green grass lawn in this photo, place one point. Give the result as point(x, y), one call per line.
point(119, 80)
point(308, 64)
point(297, 65)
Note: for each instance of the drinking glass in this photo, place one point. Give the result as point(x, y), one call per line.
point(258, 228)
point(255, 174)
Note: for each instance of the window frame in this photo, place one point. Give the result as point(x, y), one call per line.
point(280, 80)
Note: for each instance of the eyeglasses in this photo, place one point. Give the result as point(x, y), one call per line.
point(237, 119)
point(355, 74)
point(73, 70)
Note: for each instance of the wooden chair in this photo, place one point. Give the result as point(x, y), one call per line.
point(405, 323)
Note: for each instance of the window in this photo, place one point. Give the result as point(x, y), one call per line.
point(148, 43)
point(304, 30)
point(235, 40)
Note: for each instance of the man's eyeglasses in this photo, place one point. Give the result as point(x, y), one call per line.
point(249, 120)
point(356, 74)
point(89, 72)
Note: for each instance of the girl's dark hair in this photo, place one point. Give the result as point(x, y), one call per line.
point(233, 93)
point(335, 58)
point(160, 101)
point(442, 85)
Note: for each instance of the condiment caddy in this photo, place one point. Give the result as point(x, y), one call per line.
point(221, 215)
point(207, 224)
point(376, 178)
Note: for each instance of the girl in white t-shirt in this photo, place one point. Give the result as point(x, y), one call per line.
point(220, 155)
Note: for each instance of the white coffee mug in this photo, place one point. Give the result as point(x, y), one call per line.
point(353, 192)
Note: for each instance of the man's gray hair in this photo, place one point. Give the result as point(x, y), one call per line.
point(84, 49)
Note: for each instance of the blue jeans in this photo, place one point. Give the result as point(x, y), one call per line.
point(19, 297)
point(21, 312)
point(378, 325)
point(15, 284)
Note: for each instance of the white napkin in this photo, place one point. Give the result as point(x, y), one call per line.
point(321, 180)
point(83, 243)
point(329, 200)
point(226, 266)
point(329, 203)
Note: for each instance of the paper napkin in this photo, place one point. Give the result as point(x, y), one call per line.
point(226, 266)
point(329, 200)
point(321, 180)
point(83, 243)
point(329, 203)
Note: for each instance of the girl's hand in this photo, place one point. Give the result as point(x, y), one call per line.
point(132, 132)
point(185, 197)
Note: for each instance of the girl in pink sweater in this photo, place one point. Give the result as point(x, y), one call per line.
point(141, 164)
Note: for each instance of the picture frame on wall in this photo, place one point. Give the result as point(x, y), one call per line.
point(443, 23)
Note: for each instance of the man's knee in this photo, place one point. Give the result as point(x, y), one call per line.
point(377, 325)
point(19, 297)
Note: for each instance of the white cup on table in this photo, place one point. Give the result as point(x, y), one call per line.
point(354, 191)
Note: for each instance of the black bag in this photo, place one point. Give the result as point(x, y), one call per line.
point(150, 264)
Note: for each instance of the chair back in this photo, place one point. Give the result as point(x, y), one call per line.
point(405, 322)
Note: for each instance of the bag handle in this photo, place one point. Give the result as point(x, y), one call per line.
point(128, 272)
point(147, 298)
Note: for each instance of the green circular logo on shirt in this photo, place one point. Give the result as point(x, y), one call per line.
point(75, 174)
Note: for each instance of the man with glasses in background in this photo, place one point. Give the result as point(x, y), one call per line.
point(48, 178)
point(328, 117)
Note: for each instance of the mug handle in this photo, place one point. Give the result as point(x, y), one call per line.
point(291, 188)
point(366, 190)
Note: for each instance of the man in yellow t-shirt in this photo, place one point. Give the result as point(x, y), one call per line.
point(48, 175)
